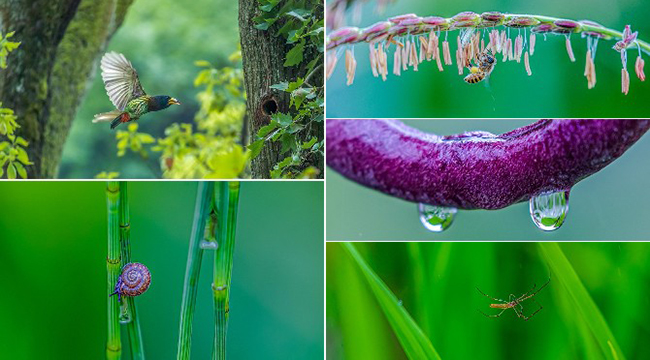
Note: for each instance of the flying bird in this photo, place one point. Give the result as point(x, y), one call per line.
point(124, 89)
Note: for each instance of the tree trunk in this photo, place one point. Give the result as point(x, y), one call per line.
point(48, 75)
point(263, 56)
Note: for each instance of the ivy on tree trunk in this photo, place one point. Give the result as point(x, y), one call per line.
point(263, 57)
point(49, 75)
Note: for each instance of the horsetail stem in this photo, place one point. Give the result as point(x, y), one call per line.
point(226, 203)
point(113, 265)
point(201, 211)
point(401, 30)
point(133, 326)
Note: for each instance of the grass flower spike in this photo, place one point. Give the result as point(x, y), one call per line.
point(413, 39)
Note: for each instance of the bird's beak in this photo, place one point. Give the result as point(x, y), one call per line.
point(173, 101)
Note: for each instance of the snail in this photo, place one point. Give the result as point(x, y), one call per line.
point(133, 281)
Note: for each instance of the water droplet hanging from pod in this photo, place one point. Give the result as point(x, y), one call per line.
point(133, 281)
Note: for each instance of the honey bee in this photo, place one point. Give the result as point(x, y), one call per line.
point(485, 62)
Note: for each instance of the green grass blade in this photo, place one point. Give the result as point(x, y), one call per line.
point(227, 205)
point(113, 267)
point(351, 308)
point(192, 271)
point(566, 276)
point(133, 327)
point(413, 340)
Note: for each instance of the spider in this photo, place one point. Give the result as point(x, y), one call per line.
point(515, 302)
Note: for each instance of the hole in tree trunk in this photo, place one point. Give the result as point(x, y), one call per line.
point(270, 107)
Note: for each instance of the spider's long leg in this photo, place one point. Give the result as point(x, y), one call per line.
point(522, 298)
point(486, 295)
point(527, 292)
point(526, 318)
point(492, 316)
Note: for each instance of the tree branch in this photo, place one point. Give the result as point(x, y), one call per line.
point(476, 170)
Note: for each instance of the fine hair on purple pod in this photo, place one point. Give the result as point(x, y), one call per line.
point(476, 170)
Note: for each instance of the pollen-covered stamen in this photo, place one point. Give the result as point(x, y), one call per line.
point(397, 62)
point(413, 59)
point(373, 60)
point(532, 43)
point(507, 50)
point(433, 43)
point(638, 68)
point(382, 62)
point(519, 48)
point(438, 59)
point(350, 66)
point(590, 70)
point(527, 64)
point(569, 49)
point(405, 55)
point(331, 63)
point(625, 81)
point(446, 53)
point(423, 48)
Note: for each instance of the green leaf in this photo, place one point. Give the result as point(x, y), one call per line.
point(22, 156)
point(413, 340)
point(570, 283)
point(21, 169)
point(294, 56)
point(255, 148)
point(300, 14)
point(202, 63)
point(22, 142)
point(265, 130)
point(283, 119)
point(283, 86)
point(288, 143)
point(11, 171)
point(277, 169)
point(310, 143)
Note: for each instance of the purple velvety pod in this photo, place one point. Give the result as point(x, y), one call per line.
point(476, 170)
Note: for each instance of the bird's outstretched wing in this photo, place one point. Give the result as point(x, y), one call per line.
point(120, 79)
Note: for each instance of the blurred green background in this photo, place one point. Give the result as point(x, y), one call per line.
point(557, 87)
point(437, 282)
point(609, 205)
point(162, 39)
point(53, 239)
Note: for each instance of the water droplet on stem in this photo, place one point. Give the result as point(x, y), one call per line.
point(548, 210)
point(209, 245)
point(436, 218)
point(125, 314)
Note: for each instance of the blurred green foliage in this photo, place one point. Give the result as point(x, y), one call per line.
point(557, 87)
point(12, 152)
point(53, 257)
point(609, 205)
point(304, 29)
point(436, 283)
point(163, 39)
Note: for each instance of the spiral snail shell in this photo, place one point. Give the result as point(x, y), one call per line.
point(133, 281)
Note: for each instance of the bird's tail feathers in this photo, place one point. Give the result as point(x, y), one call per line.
point(107, 116)
point(116, 117)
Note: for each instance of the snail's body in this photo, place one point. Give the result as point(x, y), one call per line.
point(133, 281)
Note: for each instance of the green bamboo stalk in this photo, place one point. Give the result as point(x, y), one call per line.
point(113, 267)
point(133, 326)
point(226, 204)
point(201, 212)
